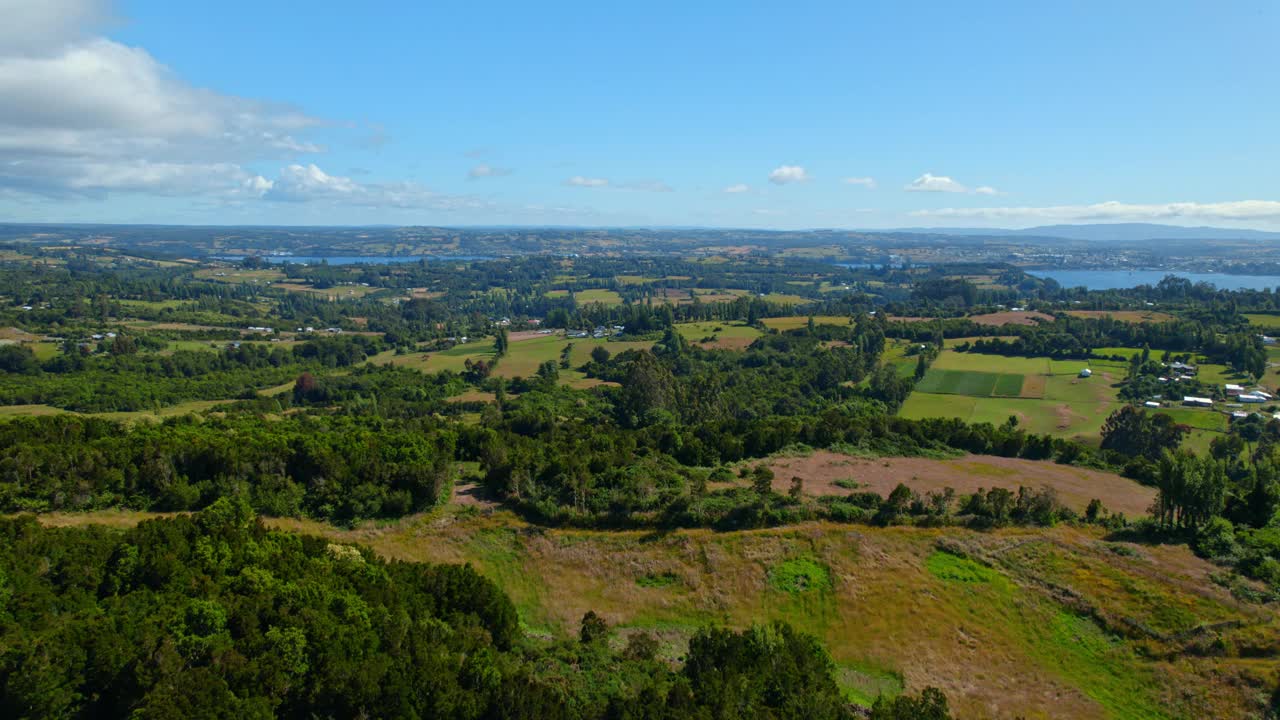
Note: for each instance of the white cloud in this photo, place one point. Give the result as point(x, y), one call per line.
point(1113, 211)
point(586, 182)
point(308, 183)
point(738, 188)
point(34, 27)
point(785, 174)
point(639, 185)
point(866, 182)
point(929, 182)
point(83, 115)
point(487, 171)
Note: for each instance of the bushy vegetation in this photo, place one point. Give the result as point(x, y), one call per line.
point(212, 615)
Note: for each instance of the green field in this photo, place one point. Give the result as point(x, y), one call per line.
point(525, 356)
point(952, 360)
point(895, 353)
point(585, 297)
point(1047, 396)
point(1265, 322)
point(634, 279)
point(799, 321)
point(972, 383)
point(731, 335)
point(454, 358)
point(582, 348)
point(1047, 417)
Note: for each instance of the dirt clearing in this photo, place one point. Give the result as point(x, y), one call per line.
point(1075, 486)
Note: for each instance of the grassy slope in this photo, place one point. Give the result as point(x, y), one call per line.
point(893, 610)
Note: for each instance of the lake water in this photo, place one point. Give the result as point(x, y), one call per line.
point(1119, 279)
point(358, 259)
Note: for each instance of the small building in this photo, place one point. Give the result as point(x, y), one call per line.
point(1086, 373)
point(1151, 404)
point(1239, 415)
point(1233, 389)
point(1251, 398)
point(1197, 401)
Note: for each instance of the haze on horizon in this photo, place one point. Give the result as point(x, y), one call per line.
point(816, 114)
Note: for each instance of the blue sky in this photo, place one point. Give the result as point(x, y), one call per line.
point(800, 114)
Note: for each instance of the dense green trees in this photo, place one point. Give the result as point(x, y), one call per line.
point(338, 468)
point(1134, 432)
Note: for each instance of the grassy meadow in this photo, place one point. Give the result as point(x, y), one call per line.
point(1047, 396)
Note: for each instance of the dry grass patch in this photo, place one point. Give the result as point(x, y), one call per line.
point(1026, 317)
point(1074, 486)
point(14, 334)
point(1131, 316)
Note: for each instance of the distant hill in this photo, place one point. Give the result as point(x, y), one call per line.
point(1121, 232)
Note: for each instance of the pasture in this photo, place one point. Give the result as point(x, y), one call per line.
point(1263, 322)
point(793, 322)
point(454, 358)
point(719, 335)
point(1046, 396)
point(586, 297)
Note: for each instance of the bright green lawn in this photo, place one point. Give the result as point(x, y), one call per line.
point(952, 360)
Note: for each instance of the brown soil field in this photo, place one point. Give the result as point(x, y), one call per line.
point(1075, 486)
point(1033, 386)
point(525, 335)
point(673, 296)
point(1132, 316)
point(1011, 318)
